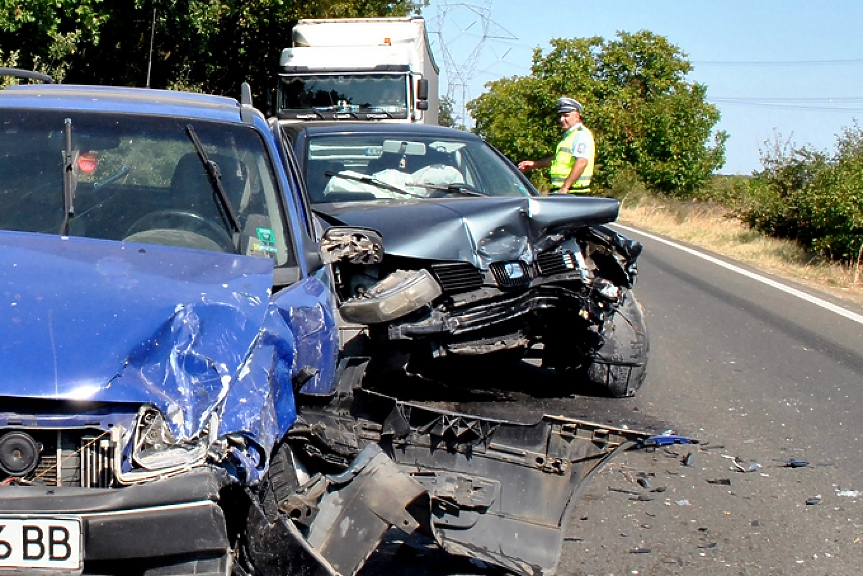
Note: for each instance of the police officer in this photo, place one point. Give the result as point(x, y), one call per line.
point(571, 167)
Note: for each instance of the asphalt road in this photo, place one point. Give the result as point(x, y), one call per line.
point(749, 371)
point(752, 372)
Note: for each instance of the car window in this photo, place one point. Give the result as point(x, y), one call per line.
point(353, 167)
point(140, 179)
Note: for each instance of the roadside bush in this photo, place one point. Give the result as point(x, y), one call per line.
point(773, 202)
point(805, 195)
point(833, 207)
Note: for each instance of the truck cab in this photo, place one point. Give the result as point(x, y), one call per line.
point(378, 69)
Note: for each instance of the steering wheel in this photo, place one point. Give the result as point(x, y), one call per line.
point(180, 227)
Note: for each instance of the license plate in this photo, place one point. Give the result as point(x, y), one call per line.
point(29, 543)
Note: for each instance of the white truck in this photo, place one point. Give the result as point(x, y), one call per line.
point(378, 69)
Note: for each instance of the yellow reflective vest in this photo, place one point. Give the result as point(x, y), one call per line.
point(577, 142)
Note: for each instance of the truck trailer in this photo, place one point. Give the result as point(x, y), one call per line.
point(377, 69)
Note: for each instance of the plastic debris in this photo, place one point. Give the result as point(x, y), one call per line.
point(644, 482)
point(741, 466)
point(722, 481)
point(640, 550)
point(665, 440)
point(682, 502)
point(687, 460)
point(624, 490)
point(849, 493)
point(795, 463)
point(814, 500)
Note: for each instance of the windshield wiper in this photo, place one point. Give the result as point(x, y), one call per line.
point(458, 188)
point(372, 181)
point(215, 175)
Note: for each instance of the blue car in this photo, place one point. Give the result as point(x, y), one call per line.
point(173, 399)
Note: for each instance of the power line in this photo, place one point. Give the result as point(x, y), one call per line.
point(767, 99)
point(855, 62)
point(781, 105)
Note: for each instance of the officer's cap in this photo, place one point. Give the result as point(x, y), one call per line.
point(565, 105)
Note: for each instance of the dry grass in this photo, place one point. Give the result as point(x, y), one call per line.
point(711, 226)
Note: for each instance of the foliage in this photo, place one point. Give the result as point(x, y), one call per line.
point(204, 45)
point(833, 208)
point(810, 196)
point(446, 116)
point(644, 115)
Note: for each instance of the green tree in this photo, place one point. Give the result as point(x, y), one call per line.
point(205, 45)
point(43, 35)
point(646, 118)
point(446, 116)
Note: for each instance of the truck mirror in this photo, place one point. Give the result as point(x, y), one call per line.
point(423, 90)
point(423, 105)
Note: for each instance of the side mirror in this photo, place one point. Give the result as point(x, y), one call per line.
point(353, 245)
point(422, 89)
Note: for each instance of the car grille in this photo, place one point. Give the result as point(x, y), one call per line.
point(510, 274)
point(457, 276)
point(556, 262)
point(73, 458)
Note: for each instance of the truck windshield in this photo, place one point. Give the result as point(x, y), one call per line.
point(381, 95)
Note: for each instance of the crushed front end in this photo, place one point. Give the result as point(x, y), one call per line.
point(563, 293)
point(500, 492)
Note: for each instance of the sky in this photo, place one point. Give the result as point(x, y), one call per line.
point(780, 72)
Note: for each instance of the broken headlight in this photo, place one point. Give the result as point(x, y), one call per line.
point(398, 294)
point(155, 451)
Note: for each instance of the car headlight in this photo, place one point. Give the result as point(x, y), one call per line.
point(398, 294)
point(156, 452)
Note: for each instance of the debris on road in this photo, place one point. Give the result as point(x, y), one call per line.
point(741, 466)
point(722, 481)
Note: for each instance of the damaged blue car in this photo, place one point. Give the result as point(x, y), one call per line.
point(173, 400)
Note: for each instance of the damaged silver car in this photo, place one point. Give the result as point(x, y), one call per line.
point(476, 263)
point(173, 400)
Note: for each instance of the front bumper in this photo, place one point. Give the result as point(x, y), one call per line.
point(476, 316)
point(164, 522)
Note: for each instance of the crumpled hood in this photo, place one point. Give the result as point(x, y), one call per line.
point(186, 331)
point(475, 230)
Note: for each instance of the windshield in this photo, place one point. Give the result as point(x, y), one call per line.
point(346, 168)
point(140, 179)
point(384, 94)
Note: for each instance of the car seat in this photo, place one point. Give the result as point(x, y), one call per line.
point(192, 190)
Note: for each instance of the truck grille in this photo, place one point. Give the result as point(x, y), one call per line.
point(72, 458)
point(457, 276)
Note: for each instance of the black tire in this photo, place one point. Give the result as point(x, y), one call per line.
point(619, 364)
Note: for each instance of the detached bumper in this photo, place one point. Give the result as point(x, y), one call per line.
point(174, 519)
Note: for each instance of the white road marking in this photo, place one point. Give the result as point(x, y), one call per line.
point(787, 289)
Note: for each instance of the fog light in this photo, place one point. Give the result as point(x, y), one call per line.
point(19, 454)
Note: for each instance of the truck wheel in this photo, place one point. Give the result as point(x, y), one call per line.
point(619, 364)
